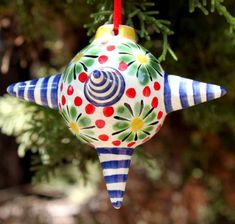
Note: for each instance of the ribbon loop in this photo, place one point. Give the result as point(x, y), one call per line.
point(117, 16)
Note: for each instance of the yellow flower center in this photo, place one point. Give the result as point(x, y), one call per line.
point(74, 127)
point(137, 124)
point(78, 57)
point(142, 59)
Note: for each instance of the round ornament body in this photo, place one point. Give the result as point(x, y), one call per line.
point(111, 93)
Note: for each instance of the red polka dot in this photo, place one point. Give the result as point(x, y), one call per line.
point(82, 77)
point(131, 144)
point(146, 91)
point(116, 143)
point(159, 115)
point(108, 111)
point(102, 59)
point(90, 109)
point(104, 137)
point(70, 90)
point(61, 86)
point(122, 66)
point(131, 93)
point(63, 100)
point(100, 123)
point(110, 47)
point(78, 101)
point(156, 86)
point(154, 102)
point(158, 128)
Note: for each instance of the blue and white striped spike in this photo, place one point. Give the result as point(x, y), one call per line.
point(43, 91)
point(115, 163)
point(180, 93)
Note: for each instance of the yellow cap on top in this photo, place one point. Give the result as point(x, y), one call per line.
point(106, 31)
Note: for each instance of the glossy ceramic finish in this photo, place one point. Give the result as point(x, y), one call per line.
point(111, 94)
point(114, 96)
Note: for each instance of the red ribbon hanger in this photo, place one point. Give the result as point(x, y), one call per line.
point(117, 16)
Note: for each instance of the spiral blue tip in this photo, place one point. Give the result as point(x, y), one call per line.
point(43, 91)
point(115, 163)
point(180, 93)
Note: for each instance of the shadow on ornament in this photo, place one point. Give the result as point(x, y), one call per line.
point(114, 96)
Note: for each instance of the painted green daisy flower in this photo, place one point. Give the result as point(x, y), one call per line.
point(78, 124)
point(134, 123)
point(81, 62)
point(140, 62)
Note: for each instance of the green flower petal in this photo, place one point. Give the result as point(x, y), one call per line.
point(122, 111)
point(132, 69)
point(148, 129)
point(143, 76)
point(78, 68)
point(137, 109)
point(151, 56)
point(150, 118)
point(73, 112)
point(88, 62)
point(146, 110)
point(151, 72)
point(66, 72)
point(156, 67)
point(142, 135)
point(120, 126)
point(93, 51)
point(124, 136)
point(134, 46)
point(84, 121)
point(126, 58)
point(65, 115)
point(131, 137)
point(88, 132)
point(124, 47)
point(84, 139)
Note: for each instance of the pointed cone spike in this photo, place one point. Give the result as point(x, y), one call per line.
point(115, 163)
point(43, 91)
point(180, 93)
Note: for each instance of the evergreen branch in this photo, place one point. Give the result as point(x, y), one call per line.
point(135, 11)
point(43, 132)
point(216, 5)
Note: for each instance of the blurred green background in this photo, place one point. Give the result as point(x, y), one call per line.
point(184, 175)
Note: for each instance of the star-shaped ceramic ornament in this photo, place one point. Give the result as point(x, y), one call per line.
point(114, 96)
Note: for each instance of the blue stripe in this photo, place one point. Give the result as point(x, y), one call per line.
point(117, 204)
point(30, 93)
point(114, 164)
point(116, 178)
point(167, 94)
point(43, 91)
point(196, 92)
point(111, 83)
point(103, 81)
point(10, 90)
point(101, 90)
point(183, 95)
point(54, 91)
point(21, 89)
point(223, 91)
point(209, 92)
point(116, 194)
point(115, 150)
point(101, 97)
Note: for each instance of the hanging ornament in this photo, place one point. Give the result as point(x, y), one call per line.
point(114, 96)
